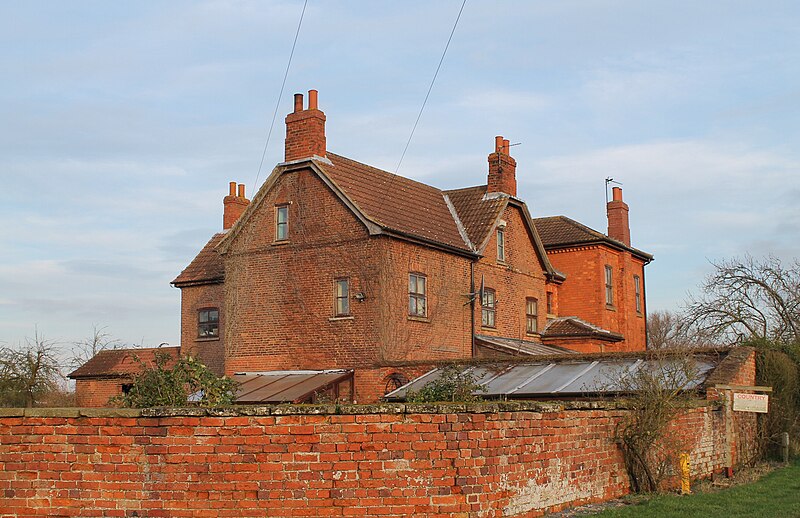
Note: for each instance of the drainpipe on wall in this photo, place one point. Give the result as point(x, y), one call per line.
point(472, 306)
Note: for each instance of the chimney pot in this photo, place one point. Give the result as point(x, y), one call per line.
point(502, 169)
point(506, 147)
point(233, 206)
point(617, 211)
point(305, 129)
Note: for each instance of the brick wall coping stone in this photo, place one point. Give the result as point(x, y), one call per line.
point(381, 408)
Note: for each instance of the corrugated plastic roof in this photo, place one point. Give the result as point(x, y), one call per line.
point(284, 386)
point(574, 378)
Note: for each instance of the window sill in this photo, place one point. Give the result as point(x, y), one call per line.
point(533, 335)
point(489, 328)
point(342, 317)
point(640, 314)
point(419, 319)
point(207, 339)
point(610, 307)
point(281, 242)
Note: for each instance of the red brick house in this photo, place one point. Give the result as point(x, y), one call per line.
point(339, 265)
point(110, 373)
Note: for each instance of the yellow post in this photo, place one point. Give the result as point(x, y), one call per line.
point(685, 471)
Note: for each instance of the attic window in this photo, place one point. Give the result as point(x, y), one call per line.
point(281, 222)
point(501, 245)
point(488, 304)
point(208, 323)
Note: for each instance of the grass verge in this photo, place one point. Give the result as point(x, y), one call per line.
point(775, 495)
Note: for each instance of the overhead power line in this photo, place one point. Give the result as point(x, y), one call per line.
point(280, 95)
point(444, 53)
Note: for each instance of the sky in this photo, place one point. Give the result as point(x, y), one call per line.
point(121, 124)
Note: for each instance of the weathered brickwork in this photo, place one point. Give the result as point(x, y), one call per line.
point(97, 392)
point(510, 459)
point(207, 350)
point(519, 277)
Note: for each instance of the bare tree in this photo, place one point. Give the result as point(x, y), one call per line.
point(84, 350)
point(674, 330)
point(30, 373)
point(748, 299)
point(655, 394)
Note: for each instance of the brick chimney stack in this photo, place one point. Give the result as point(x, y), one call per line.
point(617, 210)
point(234, 204)
point(305, 129)
point(502, 169)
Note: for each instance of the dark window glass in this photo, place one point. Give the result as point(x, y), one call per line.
point(208, 323)
point(549, 303)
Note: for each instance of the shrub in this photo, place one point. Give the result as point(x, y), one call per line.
point(454, 384)
point(161, 385)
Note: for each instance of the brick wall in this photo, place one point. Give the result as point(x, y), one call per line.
point(509, 459)
point(210, 351)
point(519, 277)
point(282, 293)
point(97, 392)
point(583, 293)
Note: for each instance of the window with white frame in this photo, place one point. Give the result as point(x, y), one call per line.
point(637, 292)
point(501, 245)
point(281, 222)
point(488, 308)
point(609, 286)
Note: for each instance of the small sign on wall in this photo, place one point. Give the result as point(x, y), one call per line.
point(750, 403)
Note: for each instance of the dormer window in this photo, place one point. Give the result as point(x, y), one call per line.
point(501, 245)
point(281, 222)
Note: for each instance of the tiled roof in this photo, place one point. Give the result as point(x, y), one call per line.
point(573, 327)
point(206, 267)
point(476, 212)
point(525, 347)
point(561, 231)
point(394, 202)
point(121, 362)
